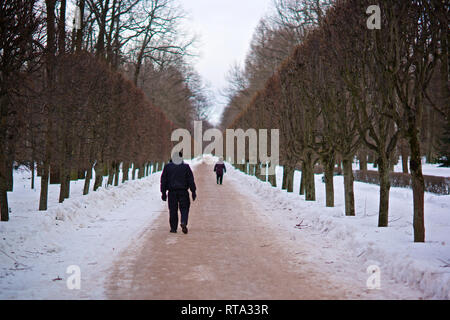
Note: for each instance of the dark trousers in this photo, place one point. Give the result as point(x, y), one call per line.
point(219, 178)
point(178, 199)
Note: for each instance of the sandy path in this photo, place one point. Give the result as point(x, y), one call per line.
point(229, 253)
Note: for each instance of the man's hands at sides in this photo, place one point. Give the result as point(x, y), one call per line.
point(194, 196)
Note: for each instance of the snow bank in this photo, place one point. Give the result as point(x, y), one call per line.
point(88, 231)
point(420, 265)
point(91, 231)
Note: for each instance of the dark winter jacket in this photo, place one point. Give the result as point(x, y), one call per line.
point(220, 168)
point(177, 177)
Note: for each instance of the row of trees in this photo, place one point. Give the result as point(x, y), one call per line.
point(70, 100)
point(274, 40)
point(346, 88)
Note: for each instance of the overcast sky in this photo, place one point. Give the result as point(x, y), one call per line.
point(225, 28)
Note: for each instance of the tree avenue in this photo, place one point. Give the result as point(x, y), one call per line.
point(94, 101)
point(339, 90)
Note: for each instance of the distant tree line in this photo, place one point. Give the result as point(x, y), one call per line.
point(92, 85)
point(339, 90)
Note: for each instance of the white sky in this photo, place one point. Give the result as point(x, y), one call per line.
point(224, 29)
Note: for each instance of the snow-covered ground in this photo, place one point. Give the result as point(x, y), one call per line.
point(425, 266)
point(36, 248)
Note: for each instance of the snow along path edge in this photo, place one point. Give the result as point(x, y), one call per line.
point(90, 231)
point(398, 258)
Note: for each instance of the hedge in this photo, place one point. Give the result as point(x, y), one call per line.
point(434, 184)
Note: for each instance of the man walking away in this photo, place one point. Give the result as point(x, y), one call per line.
point(177, 178)
point(219, 169)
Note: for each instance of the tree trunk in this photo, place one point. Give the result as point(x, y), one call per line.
point(44, 187)
point(79, 35)
point(418, 184)
point(133, 171)
point(288, 178)
point(430, 133)
point(65, 182)
point(32, 174)
point(3, 201)
point(370, 157)
point(9, 175)
point(310, 188)
point(137, 69)
point(62, 134)
point(348, 186)
point(328, 162)
point(4, 209)
point(339, 167)
point(385, 185)
point(141, 173)
point(67, 194)
point(151, 168)
point(392, 165)
point(62, 27)
point(100, 46)
point(404, 151)
point(125, 169)
point(284, 179)
point(98, 175)
point(111, 172)
point(303, 180)
point(116, 174)
point(68, 164)
point(62, 183)
point(81, 174)
point(50, 82)
point(87, 180)
point(362, 157)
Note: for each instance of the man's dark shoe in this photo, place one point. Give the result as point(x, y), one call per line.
point(184, 228)
point(173, 231)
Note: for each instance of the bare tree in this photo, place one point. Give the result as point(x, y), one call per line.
point(156, 35)
point(112, 18)
point(19, 24)
point(417, 33)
